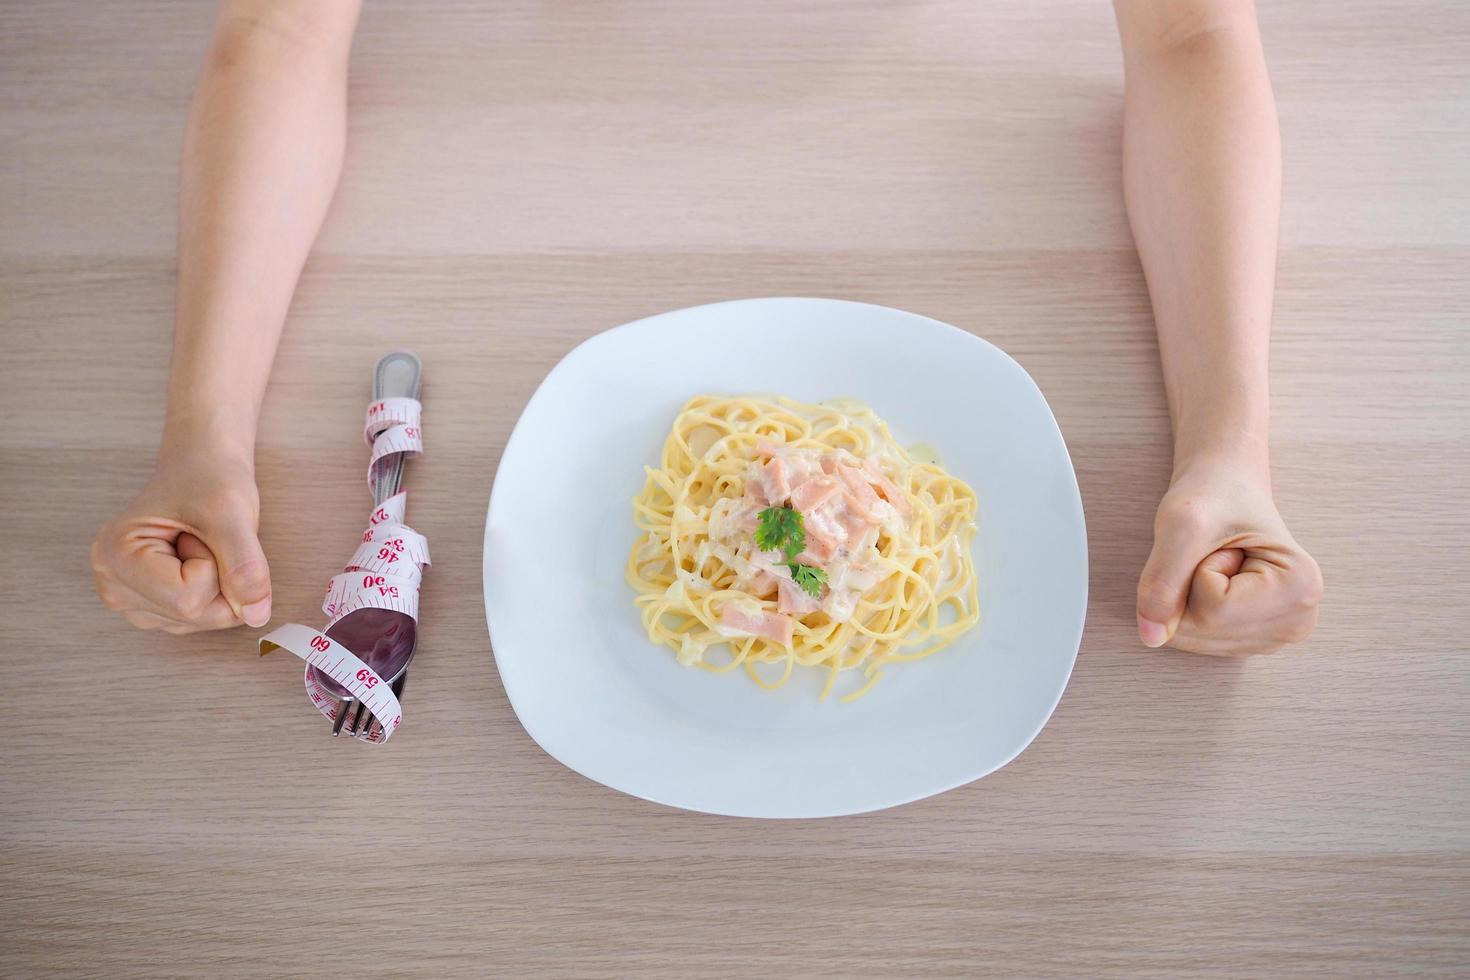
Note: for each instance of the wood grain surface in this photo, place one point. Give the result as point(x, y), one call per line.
point(522, 175)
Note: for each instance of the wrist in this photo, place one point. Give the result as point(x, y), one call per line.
point(1229, 433)
point(1220, 416)
point(192, 431)
point(1211, 462)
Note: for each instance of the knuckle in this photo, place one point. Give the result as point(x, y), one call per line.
point(1208, 618)
point(191, 605)
point(97, 556)
point(103, 551)
point(251, 573)
point(1157, 594)
point(217, 616)
point(1212, 616)
point(1298, 628)
point(1311, 588)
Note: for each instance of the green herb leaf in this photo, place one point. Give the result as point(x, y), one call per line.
point(781, 529)
point(810, 578)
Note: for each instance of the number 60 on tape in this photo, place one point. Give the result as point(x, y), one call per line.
point(343, 666)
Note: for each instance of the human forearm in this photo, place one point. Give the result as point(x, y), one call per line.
point(1202, 181)
point(261, 157)
point(262, 153)
point(1202, 178)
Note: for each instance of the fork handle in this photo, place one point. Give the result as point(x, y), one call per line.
point(398, 375)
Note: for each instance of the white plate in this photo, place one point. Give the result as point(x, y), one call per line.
point(600, 698)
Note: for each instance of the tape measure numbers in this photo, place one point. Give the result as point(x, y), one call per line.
point(385, 572)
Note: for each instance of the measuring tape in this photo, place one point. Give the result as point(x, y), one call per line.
point(385, 573)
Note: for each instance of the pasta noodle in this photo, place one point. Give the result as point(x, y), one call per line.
point(884, 572)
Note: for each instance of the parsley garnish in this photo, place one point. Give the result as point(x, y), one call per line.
point(811, 579)
point(781, 529)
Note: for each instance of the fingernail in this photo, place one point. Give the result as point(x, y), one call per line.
point(257, 613)
point(1153, 634)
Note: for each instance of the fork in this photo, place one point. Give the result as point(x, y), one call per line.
point(396, 374)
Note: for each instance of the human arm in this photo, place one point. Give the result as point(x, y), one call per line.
point(1202, 182)
point(262, 153)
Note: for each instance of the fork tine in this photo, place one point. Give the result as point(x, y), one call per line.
point(341, 717)
point(357, 718)
point(398, 685)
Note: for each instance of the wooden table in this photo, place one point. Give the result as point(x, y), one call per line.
point(523, 175)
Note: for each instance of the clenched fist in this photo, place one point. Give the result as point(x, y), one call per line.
point(1225, 576)
point(184, 555)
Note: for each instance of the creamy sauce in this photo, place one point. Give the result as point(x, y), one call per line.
point(846, 519)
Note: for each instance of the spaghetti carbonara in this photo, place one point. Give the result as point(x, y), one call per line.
point(790, 534)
